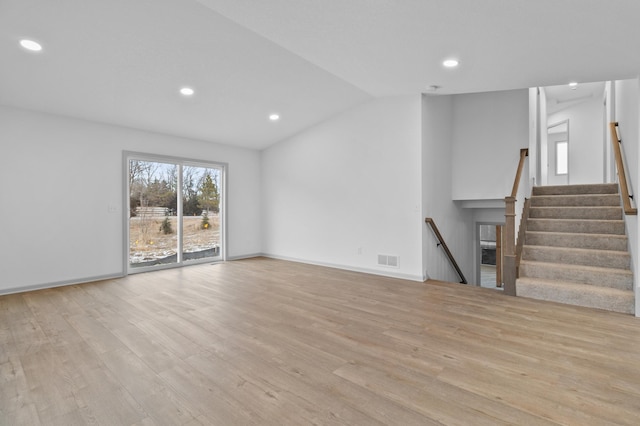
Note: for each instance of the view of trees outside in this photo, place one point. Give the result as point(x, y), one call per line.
point(153, 222)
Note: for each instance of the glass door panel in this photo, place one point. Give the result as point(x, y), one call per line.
point(201, 209)
point(153, 227)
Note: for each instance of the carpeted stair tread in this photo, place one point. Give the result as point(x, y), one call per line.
point(575, 248)
point(576, 200)
point(582, 226)
point(594, 212)
point(578, 256)
point(597, 276)
point(577, 294)
point(607, 188)
point(577, 240)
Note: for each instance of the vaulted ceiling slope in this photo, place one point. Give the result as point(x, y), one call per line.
point(123, 61)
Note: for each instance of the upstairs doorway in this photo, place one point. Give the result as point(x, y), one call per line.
point(572, 142)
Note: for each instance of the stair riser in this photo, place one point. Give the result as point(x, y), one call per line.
point(602, 259)
point(611, 188)
point(585, 241)
point(606, 213)
point(623, 303)
point(577, 226)
point(576, 200)
point(613, 278)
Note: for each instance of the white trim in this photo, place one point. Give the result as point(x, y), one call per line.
point(86, 280)
point(409, 277)
point(63, 283)
point(493, 203)
point(245, 256)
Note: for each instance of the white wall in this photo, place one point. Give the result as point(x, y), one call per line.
point(627, 110)
point(59, 176)
point(609, 174)
point(490, 128)
point(454, 223)
point(543, 139)
point(348, 189)
point(534, 135)
point(586, 133)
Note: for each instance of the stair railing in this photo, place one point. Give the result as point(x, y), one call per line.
point(510, 263)
point(441, 242)
point(622, 176)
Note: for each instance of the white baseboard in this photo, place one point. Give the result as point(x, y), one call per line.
point(379, 272)
point(245, 256)
point(63, 283)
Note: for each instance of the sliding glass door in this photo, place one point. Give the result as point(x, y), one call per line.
point(175, 211)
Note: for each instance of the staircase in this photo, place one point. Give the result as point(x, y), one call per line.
point(575, 249)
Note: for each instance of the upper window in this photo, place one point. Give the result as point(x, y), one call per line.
point(562, 158)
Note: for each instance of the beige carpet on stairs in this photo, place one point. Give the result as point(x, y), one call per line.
point(576, 250)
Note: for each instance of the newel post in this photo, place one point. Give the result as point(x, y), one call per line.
point(509, 266)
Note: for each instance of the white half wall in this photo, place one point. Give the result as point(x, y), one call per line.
point(627, 111)
point(455, 223)
point(62, 196)
point(347, 190)
point(488, 132)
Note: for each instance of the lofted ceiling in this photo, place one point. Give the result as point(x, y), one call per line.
point(123, 61)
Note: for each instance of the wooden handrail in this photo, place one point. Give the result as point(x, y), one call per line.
point(622, 176)
point(524, 152)
point(510, 258)
point(441, 242)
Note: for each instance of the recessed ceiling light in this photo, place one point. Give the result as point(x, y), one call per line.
point(187, 91)
point(31, 45)
point(451, 63)
point(274, 117)
point(573, 85)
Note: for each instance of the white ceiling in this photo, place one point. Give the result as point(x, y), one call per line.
point(123, 61)
point(562, 97)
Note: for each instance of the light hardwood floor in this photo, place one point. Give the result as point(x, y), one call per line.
point(269, 342)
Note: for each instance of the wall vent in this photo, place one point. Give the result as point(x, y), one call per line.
point(389, 260)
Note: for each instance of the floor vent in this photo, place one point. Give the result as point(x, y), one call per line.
point(388, 260)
